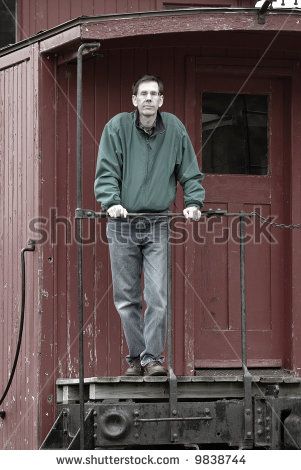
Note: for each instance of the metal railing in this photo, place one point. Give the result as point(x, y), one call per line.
point(248, 418)
point(280, 4)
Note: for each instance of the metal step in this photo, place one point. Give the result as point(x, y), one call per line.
point(65, 431)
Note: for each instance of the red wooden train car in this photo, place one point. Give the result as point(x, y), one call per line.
point(239, 67)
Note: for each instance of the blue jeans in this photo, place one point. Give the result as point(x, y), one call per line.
point(139, 246)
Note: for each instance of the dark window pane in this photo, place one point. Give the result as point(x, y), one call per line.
point(235, 134)
point(7, 22)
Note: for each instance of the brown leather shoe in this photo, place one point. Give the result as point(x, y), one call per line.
point(154, 368)
point(134, 369)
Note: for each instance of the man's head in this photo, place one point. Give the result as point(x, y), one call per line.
point(148, 95)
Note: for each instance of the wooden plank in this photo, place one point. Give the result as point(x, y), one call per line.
point(129, 390)
point(213, 364)
point(189, 247)
point(131, 379)
point(117, 349)
point(192, 21)
point(112, 388)
point(23, 23)
point(76, 8)
point(53, 13)
point(102, 281)
point(60, 39)
point(88, 228)
point(294, 258)
point(291, 380)
point(64, 12)
point(15, 57)
point(41, 16)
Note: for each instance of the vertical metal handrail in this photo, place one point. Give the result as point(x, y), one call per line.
point(78, 229)
point(170, 349)
point(170, 360)
point(248, 412)
point(31, 245)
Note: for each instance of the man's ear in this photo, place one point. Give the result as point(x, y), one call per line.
point(161, 100)
point(134, 100)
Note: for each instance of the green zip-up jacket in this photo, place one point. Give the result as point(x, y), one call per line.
point(140, 171)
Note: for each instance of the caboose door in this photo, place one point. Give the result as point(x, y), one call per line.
point(237, 124)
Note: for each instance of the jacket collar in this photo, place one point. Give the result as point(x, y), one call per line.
point(159, 126)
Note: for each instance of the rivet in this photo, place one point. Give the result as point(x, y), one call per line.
point(175, 435)
point(259, 421)
point(259, 432)
point(95, 425)
point(267, 428)
point(268, 419)
point(136, 413)
point(249, 434)
point(174, 412)
point(259, 410)
point(207, 411)
point(95, 436)
point(94, 413)
point(136, 436)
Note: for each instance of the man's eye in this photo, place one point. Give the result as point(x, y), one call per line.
point(152, 93)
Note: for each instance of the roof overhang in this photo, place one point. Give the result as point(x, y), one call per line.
point(156, 23)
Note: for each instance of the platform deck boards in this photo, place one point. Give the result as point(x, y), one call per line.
point(213, 383)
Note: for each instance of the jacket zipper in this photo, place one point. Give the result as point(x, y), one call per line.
point(147, 169)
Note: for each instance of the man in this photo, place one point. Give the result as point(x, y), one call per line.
point(141, 157)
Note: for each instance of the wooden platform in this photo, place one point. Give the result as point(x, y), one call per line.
point(276, 375)
point(213, 383)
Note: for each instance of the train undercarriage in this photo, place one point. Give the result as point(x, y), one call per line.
point(209, 410)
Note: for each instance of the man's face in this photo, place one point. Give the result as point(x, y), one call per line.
point(148, 99)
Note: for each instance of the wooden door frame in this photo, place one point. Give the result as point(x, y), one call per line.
point(270, 68)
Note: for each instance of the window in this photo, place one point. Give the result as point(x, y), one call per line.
point(235, 133)
point(7, 22)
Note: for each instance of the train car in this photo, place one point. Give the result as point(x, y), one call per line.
point(232, 75)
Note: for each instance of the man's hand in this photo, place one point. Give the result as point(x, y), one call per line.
point(192, 212)
point(117, 211)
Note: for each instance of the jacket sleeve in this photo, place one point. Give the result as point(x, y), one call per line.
point(189, 175)
point(108, 176)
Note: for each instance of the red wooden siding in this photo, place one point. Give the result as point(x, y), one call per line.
point(107, 83)
point(37, 178)
point(38, 15)
point(18, 205)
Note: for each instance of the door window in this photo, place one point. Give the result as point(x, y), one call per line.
point(235, 133)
